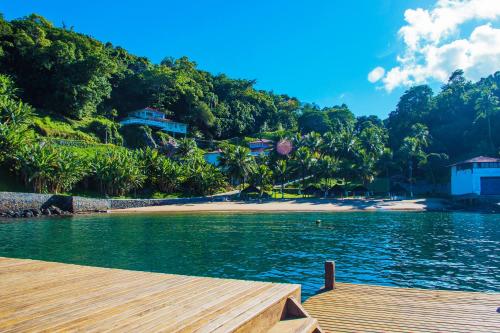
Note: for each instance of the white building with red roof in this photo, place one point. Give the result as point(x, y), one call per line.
point(260, 146)
point(476, 176)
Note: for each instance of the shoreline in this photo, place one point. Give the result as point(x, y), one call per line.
point(299, 205)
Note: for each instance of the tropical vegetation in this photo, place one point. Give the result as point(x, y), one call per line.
point(63, 93)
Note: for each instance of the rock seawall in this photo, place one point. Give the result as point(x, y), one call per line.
point(13, 201)
point(134, 203)
point(19, 202)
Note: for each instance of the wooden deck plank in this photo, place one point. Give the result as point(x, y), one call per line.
point(181, 316)
point(365, 308)
point(211, 312)
point(45, 296)
point(252, 308)
point(184, 309)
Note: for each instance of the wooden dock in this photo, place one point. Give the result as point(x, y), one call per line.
point(365, 308)
point(53, 297)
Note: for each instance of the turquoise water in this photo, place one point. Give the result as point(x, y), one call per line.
point(426, 250)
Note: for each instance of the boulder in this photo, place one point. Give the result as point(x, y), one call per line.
point(55, 210)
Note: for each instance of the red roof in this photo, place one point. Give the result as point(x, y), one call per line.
point(151, 109)
point(479, 159)
point(218, 151)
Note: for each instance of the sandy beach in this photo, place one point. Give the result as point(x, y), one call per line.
point(300, 205)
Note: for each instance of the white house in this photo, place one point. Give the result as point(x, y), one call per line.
point(260, 146)
point(154, 118)
point(257, 148)
point(477, 176)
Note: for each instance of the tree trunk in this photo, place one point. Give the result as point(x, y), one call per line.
point(410, 172)
point(492, 147)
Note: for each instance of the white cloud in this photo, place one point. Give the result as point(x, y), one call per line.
point(433, 50)
point(376, 74)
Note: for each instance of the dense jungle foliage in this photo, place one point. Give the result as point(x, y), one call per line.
point(62, 94)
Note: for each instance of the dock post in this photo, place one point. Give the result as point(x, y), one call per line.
point(329, 275)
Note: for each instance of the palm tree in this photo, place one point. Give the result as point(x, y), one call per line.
point(168, 175)
point(186, 147)
point(330, 144)
point(313, 141)
point(327, 169)
point(202, 178)
point(486, 107)
point(48, 169)
point(261, 176)
point(237, 162)
point(304, 161)
point(15, 119)
point(412, 149)
point(280, 169)
point(243, 163)
point(365, 167)
point(118, 171)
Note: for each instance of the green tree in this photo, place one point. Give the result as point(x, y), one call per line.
point(261, 176)
point(412, 149)
point(201, 178)
point(314, 120)
point(57, 69)
point(186, 147)
point(117, 172)
point(168, 175)
point(15, 119)
point(48, 169)
point(281, 171)
point(414, 106)
point(304, 161)
point(237, 163)
point(327, 169)
point(487, 106)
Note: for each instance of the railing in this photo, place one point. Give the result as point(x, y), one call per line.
point(170, 126)
point(73, 143)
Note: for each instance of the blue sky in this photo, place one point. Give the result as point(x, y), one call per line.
point(318, 51)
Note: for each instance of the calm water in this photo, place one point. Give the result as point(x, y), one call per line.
point(427, 250)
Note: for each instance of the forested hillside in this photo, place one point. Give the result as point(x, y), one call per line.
point(57, 83)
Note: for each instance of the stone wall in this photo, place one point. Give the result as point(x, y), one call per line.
point(13, 201)
point(134, 203)
point(82, 205)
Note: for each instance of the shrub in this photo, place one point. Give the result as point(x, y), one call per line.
point(117, 172)
point(47, 126)
point(106, 131)
point(47, 169)
point(15, 118)
point(200, 177)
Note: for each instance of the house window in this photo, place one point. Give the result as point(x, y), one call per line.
point(489, 165)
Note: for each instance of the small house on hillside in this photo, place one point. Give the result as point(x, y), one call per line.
point(154, 118)
point(260, 146)
point(476, 176)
